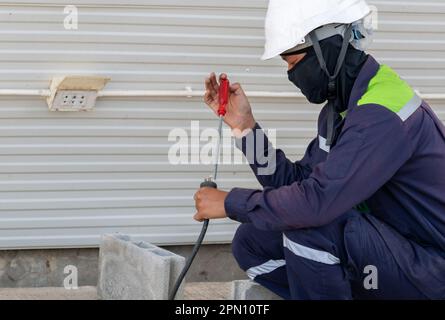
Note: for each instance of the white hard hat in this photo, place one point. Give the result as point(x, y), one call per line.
point(288, 22)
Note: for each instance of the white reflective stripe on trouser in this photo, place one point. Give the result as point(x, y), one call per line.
point(409, 108)
point(309, 253)
point(264, 268)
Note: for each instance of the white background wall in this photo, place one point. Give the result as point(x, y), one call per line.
point(66, 178)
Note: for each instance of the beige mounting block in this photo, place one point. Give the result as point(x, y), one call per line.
point(75, 93)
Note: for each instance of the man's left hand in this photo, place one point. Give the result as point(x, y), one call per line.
point(209, 203)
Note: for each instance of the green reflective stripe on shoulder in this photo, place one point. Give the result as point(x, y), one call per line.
point(388, 90)
point(343, 114)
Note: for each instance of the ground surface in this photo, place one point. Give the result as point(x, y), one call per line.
point(193, 291)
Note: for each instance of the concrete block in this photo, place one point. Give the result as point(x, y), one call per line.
point(130, 270)
point(250, 290)
point(45, 267)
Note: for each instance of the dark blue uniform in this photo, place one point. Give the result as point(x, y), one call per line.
point(373, 200)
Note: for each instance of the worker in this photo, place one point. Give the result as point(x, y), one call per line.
point(362, 214)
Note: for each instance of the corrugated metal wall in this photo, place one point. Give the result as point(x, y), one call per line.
point(65, 178)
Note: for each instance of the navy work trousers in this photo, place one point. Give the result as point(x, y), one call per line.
point(336, 261)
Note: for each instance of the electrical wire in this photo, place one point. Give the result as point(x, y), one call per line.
point(207, 183)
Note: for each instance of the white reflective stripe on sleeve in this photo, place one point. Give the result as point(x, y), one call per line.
point(309, 253)
point(264, 268)
point(322, 144)
point(409, 108)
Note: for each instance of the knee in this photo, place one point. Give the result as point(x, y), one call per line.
point(358, 233)
point(326, 242)
point(332, 231)
point(240, 243)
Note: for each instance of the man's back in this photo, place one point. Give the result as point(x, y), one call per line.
point(413, 200)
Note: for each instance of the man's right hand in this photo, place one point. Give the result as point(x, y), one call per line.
point(238, 111)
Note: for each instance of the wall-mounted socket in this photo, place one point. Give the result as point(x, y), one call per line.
point(74, 100)
point(75, 93)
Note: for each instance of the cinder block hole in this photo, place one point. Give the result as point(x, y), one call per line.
point(122, 237)
point(161, 253)
point(144, 245)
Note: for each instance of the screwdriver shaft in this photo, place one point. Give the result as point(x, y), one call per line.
point(218, 147)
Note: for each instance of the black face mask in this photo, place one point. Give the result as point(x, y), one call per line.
point(310, 78)
point(328, 72)
point(307, 76)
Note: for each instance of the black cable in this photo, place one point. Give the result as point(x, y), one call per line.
point(210, 184)
point(189, 261)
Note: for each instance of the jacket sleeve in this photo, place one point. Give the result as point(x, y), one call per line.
point(369, 151)
point(271, 166)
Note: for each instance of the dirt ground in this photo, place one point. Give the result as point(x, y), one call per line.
point(192, 291)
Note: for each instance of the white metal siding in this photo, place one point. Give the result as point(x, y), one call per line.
point(66, 178)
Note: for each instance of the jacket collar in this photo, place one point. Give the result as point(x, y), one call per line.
point(369, 70)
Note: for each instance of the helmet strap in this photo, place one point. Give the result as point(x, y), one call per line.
point(332, 84)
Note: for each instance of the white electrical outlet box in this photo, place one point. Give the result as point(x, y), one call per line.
point(70, 100)
point(75, 93)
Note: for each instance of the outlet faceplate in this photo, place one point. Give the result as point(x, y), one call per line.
point(74, 100)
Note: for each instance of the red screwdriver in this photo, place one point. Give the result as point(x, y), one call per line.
point(208, 182)
point(223, 101)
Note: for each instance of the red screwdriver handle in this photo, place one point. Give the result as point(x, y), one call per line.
point(223, 96)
